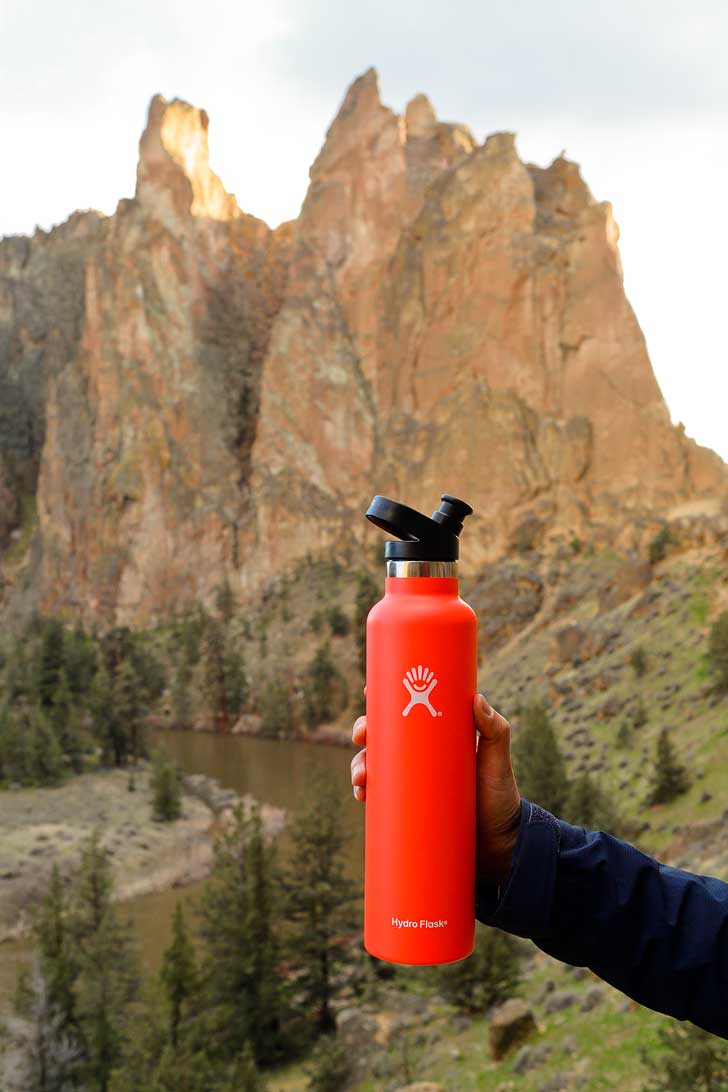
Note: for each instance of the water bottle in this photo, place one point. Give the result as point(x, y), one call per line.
point(421, 677)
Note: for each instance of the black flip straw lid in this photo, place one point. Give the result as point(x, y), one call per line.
point(421, 537)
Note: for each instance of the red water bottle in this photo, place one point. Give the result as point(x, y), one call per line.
point(421, 675)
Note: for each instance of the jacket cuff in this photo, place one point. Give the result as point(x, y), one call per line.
point(523, 904)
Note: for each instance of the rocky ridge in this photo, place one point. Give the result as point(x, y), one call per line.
point(194, 396)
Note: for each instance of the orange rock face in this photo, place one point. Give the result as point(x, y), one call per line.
point(441, 317)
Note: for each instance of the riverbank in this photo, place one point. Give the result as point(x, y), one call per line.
point(43, 827)
point(251, 726)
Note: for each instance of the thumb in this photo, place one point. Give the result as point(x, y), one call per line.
point(494, 744)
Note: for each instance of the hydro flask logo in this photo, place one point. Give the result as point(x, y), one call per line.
point(419, 682)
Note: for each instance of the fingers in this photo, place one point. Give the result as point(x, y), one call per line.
point(359, 732)
point(359, 774)
point(494, 746)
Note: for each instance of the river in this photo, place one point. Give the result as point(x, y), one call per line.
point(275, 772)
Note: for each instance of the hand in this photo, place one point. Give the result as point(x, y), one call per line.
point(498, 799)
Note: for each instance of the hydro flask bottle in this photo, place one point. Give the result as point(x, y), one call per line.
point(421, 677)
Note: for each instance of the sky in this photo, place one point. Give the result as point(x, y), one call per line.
point(635, 91)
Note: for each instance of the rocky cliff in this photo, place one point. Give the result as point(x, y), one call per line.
point(194, 395)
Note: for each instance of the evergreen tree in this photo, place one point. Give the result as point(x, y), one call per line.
point(215, 683)
point(181, 699)
point(50, 660)
point(367, 594)
point(108, 728)
point(239, 923)
point(325, 692)
point(243, 1075)
point(225, 602)
point(538, 762)
point(670, 777)
point(688, 1060)
point(718, 650)
point(46, 758)
point(275, 706)
point(330, 1067)
point(107, 976)
point(491, 974)
point(589, 806)
point(236, 682)
point(128, 712)
point(166, 791)
point(319, 899)
point(57, 956)
point(178, 973)
point(64, 720)
point(80, 662)
point(16, 757)
point(45, 1054)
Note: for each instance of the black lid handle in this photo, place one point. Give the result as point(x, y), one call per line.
point(427, 538)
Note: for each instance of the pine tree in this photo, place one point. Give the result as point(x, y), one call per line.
point(538, 762)
point(367, 594)
point(107, 979)
point(589, 806)
point(236, 682)
point(670, 777)
point(108, 728)
point(51, 659)
point(330, 1066)
point(46, 758)
point(225, 602)
point(178, 973)
point(243, 1075)
point(166, 791)
point(129, 710)
point(319, 898)
point(324, 689)
point(275, 706)
point(57, 955)
point(181, 699)
point(216, 688)
point(491, 974)
point(45, 1054)
point(64, 720)
point(239, 926)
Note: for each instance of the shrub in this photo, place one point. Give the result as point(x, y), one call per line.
point(718, 651)
point(638, 661)
point(338, 621)
point(659, 544)
point(166, 792)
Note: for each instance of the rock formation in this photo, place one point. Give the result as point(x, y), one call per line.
point(203, 397)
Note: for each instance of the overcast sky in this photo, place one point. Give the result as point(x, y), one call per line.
point(636, 91)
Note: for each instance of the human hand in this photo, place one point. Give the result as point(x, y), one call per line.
point(498, 801)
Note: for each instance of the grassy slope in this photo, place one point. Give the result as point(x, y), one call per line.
point(670, 621)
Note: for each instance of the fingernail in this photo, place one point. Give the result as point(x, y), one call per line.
point(485, 708)
point(356, 792)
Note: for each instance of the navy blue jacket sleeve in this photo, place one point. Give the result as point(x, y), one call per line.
point(657, 933)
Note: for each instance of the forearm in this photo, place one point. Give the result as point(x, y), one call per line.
point(658, 934)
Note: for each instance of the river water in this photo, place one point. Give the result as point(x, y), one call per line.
point(275, 772)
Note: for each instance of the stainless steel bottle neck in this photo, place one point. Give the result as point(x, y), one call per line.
point(422, 568)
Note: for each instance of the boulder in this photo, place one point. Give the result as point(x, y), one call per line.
point(631, 577)
point(559, 1000)
point(510, 1024)
point(529, 1057)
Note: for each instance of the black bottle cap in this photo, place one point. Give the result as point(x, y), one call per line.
point(422, 538)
